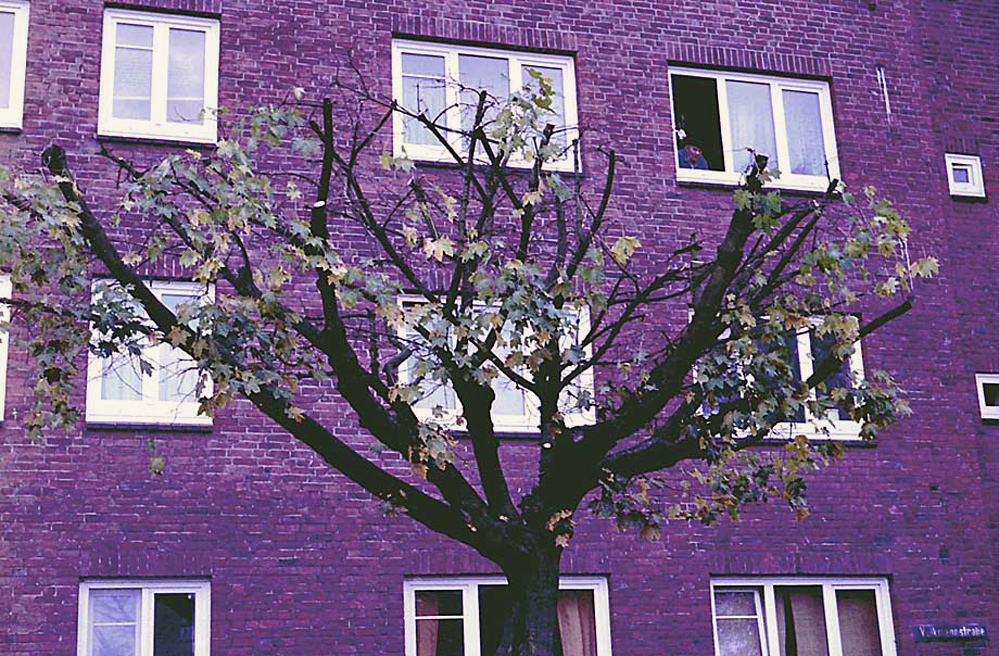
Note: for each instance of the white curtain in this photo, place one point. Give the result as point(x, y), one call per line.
point(804, 132)
point(751, 122)
point(576, 623)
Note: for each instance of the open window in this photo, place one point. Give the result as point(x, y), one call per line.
point(720, 119)
point(464, 616)
point(146, 617)
point(793, 616)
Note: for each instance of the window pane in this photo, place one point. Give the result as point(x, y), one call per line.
point(494, 600)
point(134, 35)
point(489, 74)
point(173, 624)
point(738, 637)
point(186, 76)
point(426, 65)
point(510, 399)
point(6, 55)
point(751, 121)
point(557, 115)
point(114, 640)
point(114, 606)
point(801, 621)
point(422, 95)
point(804, 133)
point(121, 379)
point(438, 602)
point(178, 375)
point(821, 349)
point(962, 174)
point(440, 638)
point(133, 80)
point(735, 602)
point(858, 622)
point(577, 623)
point(695, 111)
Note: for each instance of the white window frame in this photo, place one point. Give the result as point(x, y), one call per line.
point(518, 60)
point(149, 410)
point(984, 409)
point(529, 421)
point(469, 588)
point(157, 127)
point(778, 85)
point(830, 585)
point(6, 289)
point(975, 186)
point(202, 610)
point(838, 429)
point(12, 115)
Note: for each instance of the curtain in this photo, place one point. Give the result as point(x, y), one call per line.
point(426, 630)
point(858, 622)
point(804, 132)
point(801, 622)
point(751, 122)
point(576, 623)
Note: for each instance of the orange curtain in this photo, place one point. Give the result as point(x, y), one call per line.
point(426, 630)
point(576, 623)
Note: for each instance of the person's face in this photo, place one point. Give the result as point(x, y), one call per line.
point(693, 152)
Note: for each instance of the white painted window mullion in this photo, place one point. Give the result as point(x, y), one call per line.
point(832, 620)
point(780, 129)
point(470, 612)
point(144, 647)
point(724, 123)
point(771, 642)
point(161, 61)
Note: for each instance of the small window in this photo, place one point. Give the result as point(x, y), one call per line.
point(13, 56)
point(119, 392)
point(443, 82)
point(964, 175)
point(720, 118)
point(159, 76)
point(144, 618)
point(465, 615)
point(515, 410)
point(988, 395)
point(790, 616)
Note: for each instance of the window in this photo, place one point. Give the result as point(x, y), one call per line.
point(964, 175)
point(465, 616)
point(808, 348)
point(796, 616)
point(514, 409)
point(988, 395)
point(144, 618)
point(159, 76)
point(724, 115)
point(443, 81)
point(119, 392)
point(13, 56)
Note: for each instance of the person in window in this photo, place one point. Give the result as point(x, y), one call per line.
point(691, 157)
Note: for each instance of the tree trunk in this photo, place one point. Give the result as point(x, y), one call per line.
point(531, 627)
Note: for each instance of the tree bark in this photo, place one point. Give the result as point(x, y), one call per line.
point(531, 627)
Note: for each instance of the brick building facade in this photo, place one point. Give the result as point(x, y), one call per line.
point(297, 560)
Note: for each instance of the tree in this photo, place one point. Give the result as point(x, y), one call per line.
point(493, 273)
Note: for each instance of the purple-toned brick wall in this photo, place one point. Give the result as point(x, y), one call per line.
point(302, 562)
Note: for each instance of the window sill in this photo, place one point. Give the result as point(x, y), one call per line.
point(130, 425)
point(155, 141)
point(727, 181)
